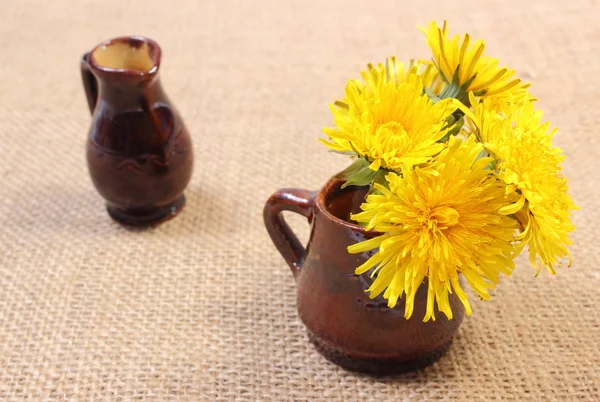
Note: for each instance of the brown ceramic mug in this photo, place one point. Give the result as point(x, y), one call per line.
point(344, 324)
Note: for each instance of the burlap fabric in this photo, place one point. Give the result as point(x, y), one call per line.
point(203, 307)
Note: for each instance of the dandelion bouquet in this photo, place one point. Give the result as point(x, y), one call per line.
point(462, 169)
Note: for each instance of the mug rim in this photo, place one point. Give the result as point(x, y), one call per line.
point(321, 204)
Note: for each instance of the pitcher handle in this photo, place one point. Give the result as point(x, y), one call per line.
point(90, 84)
point(294, 200)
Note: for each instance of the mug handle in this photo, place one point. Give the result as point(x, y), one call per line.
point(288, 199)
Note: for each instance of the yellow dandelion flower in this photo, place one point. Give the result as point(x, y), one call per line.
point(465, 61)
point(493, 110)
point(438, 222)
point(388, 119)
point(530, 167)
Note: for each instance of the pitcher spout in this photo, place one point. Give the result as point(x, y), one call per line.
point(126, 57)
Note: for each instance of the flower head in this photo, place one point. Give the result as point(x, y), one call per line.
point(438, 222)
point(456, 58)
point(388, 119)
point(530, 167)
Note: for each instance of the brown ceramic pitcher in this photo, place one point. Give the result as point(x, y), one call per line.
point(346, 326)
point(139, 152)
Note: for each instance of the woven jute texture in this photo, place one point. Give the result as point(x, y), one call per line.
point(203, 307)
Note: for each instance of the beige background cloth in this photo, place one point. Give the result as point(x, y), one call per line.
point(203, 307)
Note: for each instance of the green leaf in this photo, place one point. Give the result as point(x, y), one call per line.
point(465, 86)
point(434, 98)
point(379, 179)
point(454, 89)
point(454, 122)
point(455, 79)
point(356, 166)
point(459, 123)
point(362, 178)
point(444, 78)
point(357, 174)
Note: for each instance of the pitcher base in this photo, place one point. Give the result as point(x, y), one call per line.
point(376, 367)
point(149, 216)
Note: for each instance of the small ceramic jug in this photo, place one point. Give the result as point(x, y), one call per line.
point(139, 152)
point(344, 324)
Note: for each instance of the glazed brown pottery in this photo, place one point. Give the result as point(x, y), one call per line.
point(139, 152)
point(346, 326)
